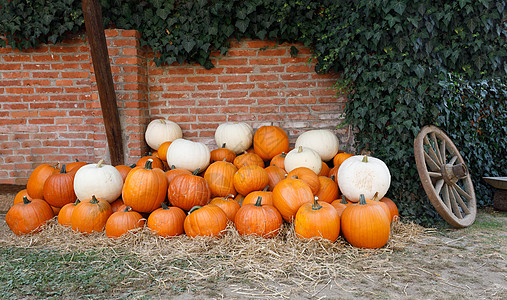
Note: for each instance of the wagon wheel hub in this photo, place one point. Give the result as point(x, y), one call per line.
point(452, 173)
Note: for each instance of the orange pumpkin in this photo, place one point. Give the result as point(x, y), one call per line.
point(162, 150)
point(59, 188)
point(121, 222)
point(65, 213)
point(208, 220)
point(266, 197)
point(222, 154)
point(365, 225)
point(317, 219)
point(258, 219)
point(324, 170)
point(173, 172)
point(220, 178)
point(278, 160)
point(288, 196)
point(167, 221)
point(36, 180)
point(275, 175)
point(270, 141)
point(156, 162)
point(227, 204)
point(250, 178)
point(340, 157)
point(145, 188)
point(74, 166)
point(187, 191)
point(308, 176)
point(28, 216)
point(124, 170)
point(19, 196)
point(90, 215)
point(328, 191)
point(340, 205)
point(248, 158)
point(393, 209)
point(118, 205)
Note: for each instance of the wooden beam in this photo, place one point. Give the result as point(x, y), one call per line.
point(92, 14)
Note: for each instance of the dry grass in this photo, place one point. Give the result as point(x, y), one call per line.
point(263, 264)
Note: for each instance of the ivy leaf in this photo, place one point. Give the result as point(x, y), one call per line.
point(242, 25)
point(399, 7)
point(188, 44)
point(163, 13)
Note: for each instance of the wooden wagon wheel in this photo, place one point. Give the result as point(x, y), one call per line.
point(445, 177)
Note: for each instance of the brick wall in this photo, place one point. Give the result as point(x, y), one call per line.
point(49, 107)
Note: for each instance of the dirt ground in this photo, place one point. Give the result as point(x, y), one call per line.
point(440, 263)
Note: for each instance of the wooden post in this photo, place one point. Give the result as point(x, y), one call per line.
point(92, 14)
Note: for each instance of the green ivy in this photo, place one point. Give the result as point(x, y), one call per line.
point(404, 64)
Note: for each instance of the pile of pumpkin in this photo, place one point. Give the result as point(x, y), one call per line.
point(253, 180)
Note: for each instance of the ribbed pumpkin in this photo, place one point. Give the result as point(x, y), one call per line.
point(278, 160)
point(90, 215)
point(162, 150)
point(187, 191)
point(227, 204)
point(36, 180)
point(222, 154)
point(65, 214)
point(328, 191)
point(365, 225)
point(250, 178)
point(167, 221)
point(340, 157)
point(317, 219)
point(118, 205)
point(59, 188)
point(173, 172)
point(145, 188)
point(155, 162)
point(340, 205)
point(124, 170)
point(208, 220)
point(28, 216)
point(288, 196)
point(248, 158)
point(20, 195)
point(324, 170)
point(258, 219)
point(121, 222)
point(74, 166)
point(308, 176)
point(220, 178)
point(395, 215)
point(266, 197)
point(275, 175)
point(270, 141)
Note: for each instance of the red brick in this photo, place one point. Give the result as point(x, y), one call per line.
point(275, 69)
point(17, 58)
point(210, 87)
point(15, 75)
point(36, 67)
point(264, 78)
point(272, 52)
point(239, 70)
point(233, 78)
point(212, 118)
point(24, 114)
point(46, 74)
point(75, 57)
point(49, 90)
point(240, 86)
point(83, 74)
point(261, 44)
point(64, 49)
point(272, 85)
point(301, 100)
point(10, 67)
point(179, 87)
point(30, 82)
point(10, 82)
point(267, 93)
point(19, 90)
point(233, 61)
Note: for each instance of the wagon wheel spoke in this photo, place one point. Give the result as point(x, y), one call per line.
point(445, 177)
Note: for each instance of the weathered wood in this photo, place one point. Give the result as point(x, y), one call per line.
point(92, 14)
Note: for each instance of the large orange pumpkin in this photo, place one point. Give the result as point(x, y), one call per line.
point(208, 220)
point(258, 219)
point(90, 215)
point(317, 219)
point(187, 191)
point(167, 221)
point(270, 141)
point(365, 225)
point(220, 178)
point(28, 216)
point(288, 196)
point(250, 178)
point(59, 188)
point(36, 180)
point(145, 188)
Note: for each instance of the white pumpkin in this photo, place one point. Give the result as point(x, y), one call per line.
point(103, 181)
point(363, 175)
point(303, 157)
point(189, 155)
point(323, 141)
point(159, 131)
point(237, 136)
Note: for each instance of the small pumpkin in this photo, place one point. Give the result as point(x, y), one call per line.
point(187, 191)
point(222, 154)
point(167, 221)
point(159, 131)
point(365, 225)
point(363, 175)
point(269, 141)
point(155, 162)
point(118, 205)
point(220, 178)
point(20, 195)
point(317, 219)
point(324, 170)
point(59, 188)
point(65, 213)
point(248, 158)
point(122, 222)
point(162, 150)
point(189, 155)
point(393, 208)
point(237, 136)
point(340, 157)
point(275, 175)
point(227, 204)
point(208, 220)
point(258, 219)
point(307, 176)
point(28, 216)
point(124, 170)
point(278, 160)
point(252, 197)
point(100, 180)
point(173, 172)
point(90, 215)
point(340, 205)
point(303, 157)
point(76, 165)
point(322, 141)
point(250, 178)
point(36, 180)
point(328, 190)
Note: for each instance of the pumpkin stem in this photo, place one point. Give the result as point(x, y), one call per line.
point(333, 177)
point(362, 200)
point(196, 171)
point(300, 149)
point(173, 167)
point(127, 209)
point(316, 205)
point(99, 164)
point(229, 196)
point(194, 209)
point(77, 202)
point(133, 165)
point(164, 206)
point(94, 200)
point(283, 154)
point(294, 177)
point(375, 197)
point(365, 159)
point(223, 145)
point(344, 201)
point(63, 171)
point(266, 188)
point(148, 165)
point(25, 200)
point(259, 201)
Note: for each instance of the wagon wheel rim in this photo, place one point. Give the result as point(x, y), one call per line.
point(445, 177)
